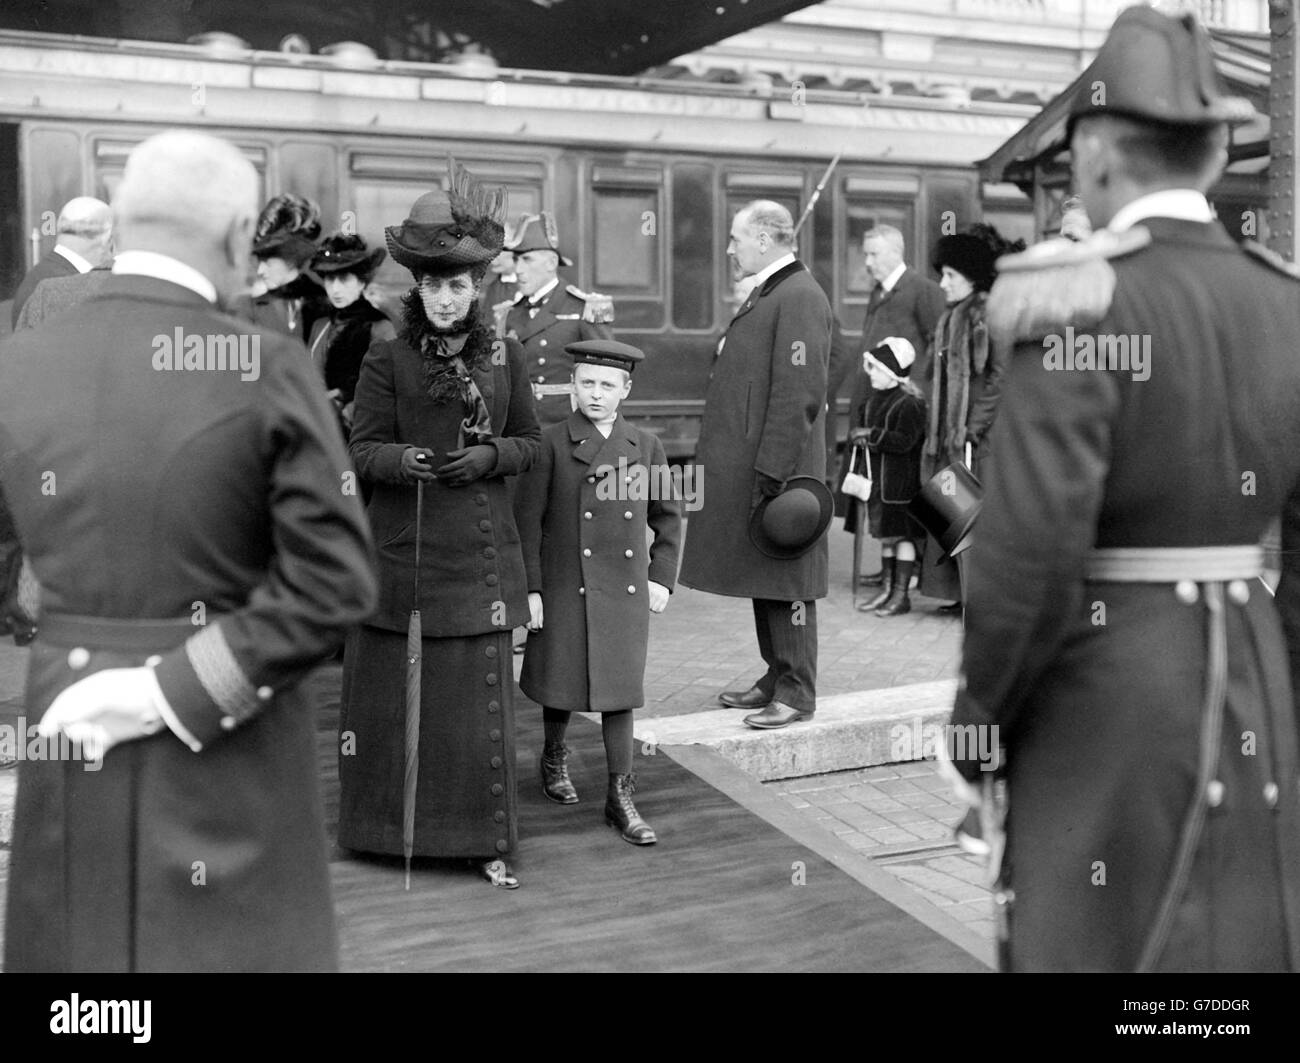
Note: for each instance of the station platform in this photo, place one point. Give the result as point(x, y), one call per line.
point(807, 849)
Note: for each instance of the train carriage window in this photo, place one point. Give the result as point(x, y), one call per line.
point(626, 247)
point(693, 235)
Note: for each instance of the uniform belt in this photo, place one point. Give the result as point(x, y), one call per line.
point(108, 633)
point(541, 390)
point(1171, 564)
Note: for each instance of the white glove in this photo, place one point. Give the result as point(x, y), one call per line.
point(112, 706)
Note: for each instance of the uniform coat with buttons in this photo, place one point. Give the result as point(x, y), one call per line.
point(764, 413)
point(214, 499)
point(1098, 689)
point(583, 512)
point(564, 315)
point(472, 593)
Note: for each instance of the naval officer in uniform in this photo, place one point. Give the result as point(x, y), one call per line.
point(546, 316)
point(177, 480)
point(1119, 642)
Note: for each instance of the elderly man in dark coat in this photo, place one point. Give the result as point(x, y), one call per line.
point(85, 242)
point(182, 512)
point(57, 295)
point(763, 424)
point(1119, 643)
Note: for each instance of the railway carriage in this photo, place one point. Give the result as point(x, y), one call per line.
point(643, 175)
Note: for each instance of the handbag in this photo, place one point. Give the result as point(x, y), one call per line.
point(855, 484)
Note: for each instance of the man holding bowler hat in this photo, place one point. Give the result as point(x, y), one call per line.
point(760, 532)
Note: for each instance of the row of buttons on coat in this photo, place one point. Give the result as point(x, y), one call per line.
point(496, 789)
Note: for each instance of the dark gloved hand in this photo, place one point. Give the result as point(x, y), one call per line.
point(874, 435)
point(413, 469)
point(467, 465)
point(768, 487)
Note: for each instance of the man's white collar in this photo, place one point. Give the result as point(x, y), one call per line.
point(1185, 204)
point(760, 278)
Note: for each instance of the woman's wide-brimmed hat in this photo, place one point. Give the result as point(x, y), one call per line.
point(450, 230)
point(288, 228)
point(788, 525)
point(347, 254)
point(970, 256)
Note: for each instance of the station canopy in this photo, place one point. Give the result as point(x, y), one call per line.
point(618, 37)
point(1242, 60)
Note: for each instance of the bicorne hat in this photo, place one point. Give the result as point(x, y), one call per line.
point(288, 228)
point(1158, 68)
point(970, 256)
point(450, 230)
point(537, 232)
point(788, 525)
point(347, 254)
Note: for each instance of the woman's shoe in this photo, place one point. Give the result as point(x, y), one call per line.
point(556, 783)
point(498, 873)
point(898, 602)
point(622, 814)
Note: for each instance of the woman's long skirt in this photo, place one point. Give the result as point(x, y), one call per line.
point(465, 800)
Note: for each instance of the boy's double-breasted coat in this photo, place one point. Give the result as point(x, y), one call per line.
point(764, 412)
point(210, 501)
point(583, 510)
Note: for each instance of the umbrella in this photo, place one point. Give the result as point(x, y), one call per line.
point(413, 637)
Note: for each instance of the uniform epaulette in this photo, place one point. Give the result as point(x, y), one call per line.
point(500, 311)
point(1271, 258)
point(599, 309)
point(1057, 283)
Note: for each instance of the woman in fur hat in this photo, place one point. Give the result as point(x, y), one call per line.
point(447, 405)
point(967, 378)
point(339, 342)
point(287, 297)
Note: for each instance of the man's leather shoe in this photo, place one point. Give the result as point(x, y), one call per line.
point(776, 716)
point(753, 698)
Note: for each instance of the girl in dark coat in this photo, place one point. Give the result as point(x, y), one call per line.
point(895, 430)
point(339, 342)
point(448, 405)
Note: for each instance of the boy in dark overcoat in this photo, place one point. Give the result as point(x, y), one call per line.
point(583, 511)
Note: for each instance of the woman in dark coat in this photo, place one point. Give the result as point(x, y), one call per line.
point(445, 405)
point(895, 429)
point(967, 382)
point(339, 342)
point(288, 299)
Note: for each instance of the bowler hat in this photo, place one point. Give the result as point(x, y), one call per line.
point(788, 525)
point(947, 505)
point(347, 254)
point(1158, 68)
point(537, 232)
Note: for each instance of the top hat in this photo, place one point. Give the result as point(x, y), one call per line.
point(537, 232)
point(288, 228)
point(1158, 68)
point(947, 505)
point(970, 256)
point(450, 230)
point(605, 352)
point(347, 254)
point(788, 525)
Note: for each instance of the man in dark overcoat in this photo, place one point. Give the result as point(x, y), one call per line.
point(1119, 642)
point(546, 315)
point(763, 424)
point(182, 494)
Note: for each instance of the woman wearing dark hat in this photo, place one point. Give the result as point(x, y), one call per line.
point(339, 343)
point(967, 378)
point(284, 242)
point(448, 406)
